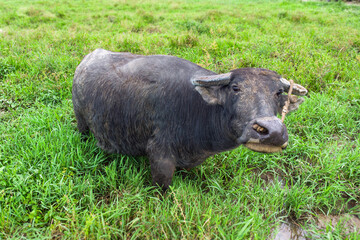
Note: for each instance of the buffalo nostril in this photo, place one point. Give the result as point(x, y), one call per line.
point(260, 129)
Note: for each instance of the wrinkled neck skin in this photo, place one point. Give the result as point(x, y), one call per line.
point(221, 136)
point(210, 133)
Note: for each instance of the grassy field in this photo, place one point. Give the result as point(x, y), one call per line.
point(54, 185)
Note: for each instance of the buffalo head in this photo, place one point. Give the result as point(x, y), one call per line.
point(253, 97)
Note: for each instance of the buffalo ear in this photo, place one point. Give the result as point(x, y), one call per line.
point(209, 87)
point(211, 95)
point(294, 103)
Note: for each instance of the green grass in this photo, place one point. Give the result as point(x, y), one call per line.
point(53, 184)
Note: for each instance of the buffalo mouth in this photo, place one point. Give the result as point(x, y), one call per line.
point(266, 135)
point(264, 148)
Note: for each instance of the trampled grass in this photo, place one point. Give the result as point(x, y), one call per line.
point(53, 184)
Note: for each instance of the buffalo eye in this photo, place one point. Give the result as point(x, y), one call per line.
point(281, 91)
point(235, 88)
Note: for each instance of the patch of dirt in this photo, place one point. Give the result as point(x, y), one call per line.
point(349, 223)
point(354, 3)
point(270, 178)
point(289, 231)
point(292, 231)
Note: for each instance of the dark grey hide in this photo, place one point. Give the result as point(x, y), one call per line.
point(176, 112)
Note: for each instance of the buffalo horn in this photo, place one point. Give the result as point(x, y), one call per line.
point(212, 80)
point(297, 89)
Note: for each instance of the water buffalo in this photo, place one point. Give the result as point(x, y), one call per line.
point(176, 112)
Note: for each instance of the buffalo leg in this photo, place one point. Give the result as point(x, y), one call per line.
point(81, 124)
point(162, 171)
